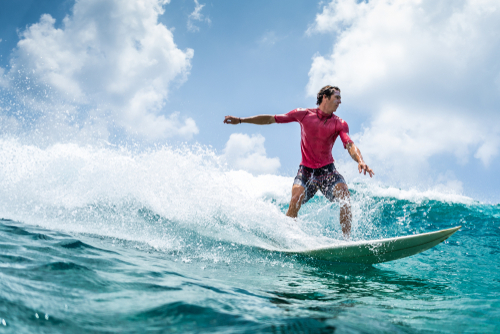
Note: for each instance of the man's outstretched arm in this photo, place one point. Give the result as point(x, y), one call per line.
point(260, 120)
point(356, 155)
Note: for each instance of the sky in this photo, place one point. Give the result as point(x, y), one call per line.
point(420, 81)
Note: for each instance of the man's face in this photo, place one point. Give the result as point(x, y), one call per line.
point(334, 101)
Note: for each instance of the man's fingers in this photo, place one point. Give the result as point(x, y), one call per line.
point(230, 120)
point(365, 169)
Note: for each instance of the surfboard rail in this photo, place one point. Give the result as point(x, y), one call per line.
point(377, 251)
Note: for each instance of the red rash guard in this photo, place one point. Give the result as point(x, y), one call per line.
point(318, 134)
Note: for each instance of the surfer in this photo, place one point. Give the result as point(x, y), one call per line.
point(319, 130)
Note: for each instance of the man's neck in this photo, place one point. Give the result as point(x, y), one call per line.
point(326, 112)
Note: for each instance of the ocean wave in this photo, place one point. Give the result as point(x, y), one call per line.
point(175, 198)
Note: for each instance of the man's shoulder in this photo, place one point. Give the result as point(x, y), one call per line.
point(305, 111)
point(300, 113)
point(338, 119)
point(340, 124)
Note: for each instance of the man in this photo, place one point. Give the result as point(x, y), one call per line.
point(319, 130)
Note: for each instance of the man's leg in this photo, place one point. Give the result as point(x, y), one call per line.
point(342, 194)
point(298, 193)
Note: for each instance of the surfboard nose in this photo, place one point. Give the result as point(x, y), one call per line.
point(382, 250)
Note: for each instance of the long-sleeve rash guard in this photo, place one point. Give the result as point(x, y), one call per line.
point(318, 134)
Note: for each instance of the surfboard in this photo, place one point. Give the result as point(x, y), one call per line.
point(377, 251)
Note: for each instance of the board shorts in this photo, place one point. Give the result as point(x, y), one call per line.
point(324, 178)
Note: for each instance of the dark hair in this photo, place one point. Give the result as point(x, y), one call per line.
point(326, 91)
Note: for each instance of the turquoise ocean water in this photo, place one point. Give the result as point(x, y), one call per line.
point(107, 240)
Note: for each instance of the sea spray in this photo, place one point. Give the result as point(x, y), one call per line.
point(106, 190)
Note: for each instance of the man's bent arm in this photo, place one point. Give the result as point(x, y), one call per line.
point(260, 120)
point(356, 155)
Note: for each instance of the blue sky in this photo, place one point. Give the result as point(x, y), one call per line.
point(420, 80)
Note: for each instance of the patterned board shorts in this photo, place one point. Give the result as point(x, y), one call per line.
point(324, 179)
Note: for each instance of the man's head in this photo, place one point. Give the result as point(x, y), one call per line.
point(326, 91)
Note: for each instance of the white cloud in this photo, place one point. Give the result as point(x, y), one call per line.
point(249, 154)
point(488, 150)
point(336, 15)
point(409, 138)
point(424, 72)
point(196, 15)
point(111, 57)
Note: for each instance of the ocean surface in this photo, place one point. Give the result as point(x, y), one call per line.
point(169, 240)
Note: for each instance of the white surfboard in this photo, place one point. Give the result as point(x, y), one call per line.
point(376, 251)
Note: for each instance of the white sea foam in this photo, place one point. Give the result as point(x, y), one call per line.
point(170, 197)
point(104, 190)
point(438, 193)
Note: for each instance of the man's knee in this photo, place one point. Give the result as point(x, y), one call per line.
point(342, 193)
point(298, 193)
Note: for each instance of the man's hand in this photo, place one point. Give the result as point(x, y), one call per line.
point(364, 167)
point(232, 120)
